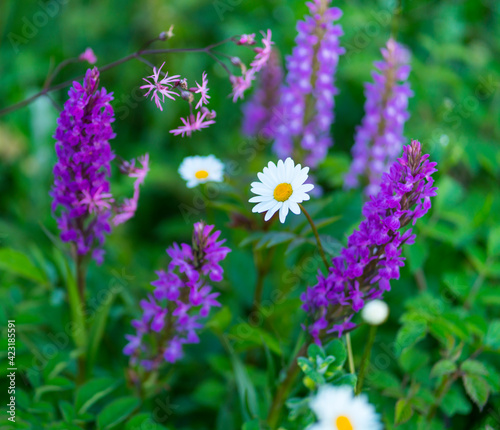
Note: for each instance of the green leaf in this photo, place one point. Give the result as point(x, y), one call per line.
point(92, 391)
point(492, 338)
point(79, 331)
point(19, 264)
point(474, 367)
point(314, 351)
point(310, 371)
point(245, 334)
point(244, 385)
point(220, 320)
point(455, 402)
point(67, 411)
point(346, 379)
point(143, 421)
point(412, 359)
point(443, 367)
point(494, 241)
point(417, 254)
point(251, 425)
point(98, 327)
point(57, 384)
point(116, 412)
point(274, 238)
point(337, 349)
point(409, 334)
point(210, 393)
point(403, 411)
point(477, 389)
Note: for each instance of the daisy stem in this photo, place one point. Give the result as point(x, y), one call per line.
point(366, 358)
point(316, 235)
point(350, 356)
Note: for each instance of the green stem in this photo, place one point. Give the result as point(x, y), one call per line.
point(440, 393)
point(284, 389)
point(366, 358)
point(80, 282)
point(350, 356)
point(315, 231)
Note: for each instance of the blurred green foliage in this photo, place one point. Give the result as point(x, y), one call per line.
point(445, 306)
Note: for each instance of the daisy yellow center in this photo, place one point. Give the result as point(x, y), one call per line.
point(201, 174)
point(282, 192)
point(343, 423)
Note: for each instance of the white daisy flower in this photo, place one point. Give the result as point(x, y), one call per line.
point(280, 188)
point(375, 312)
point(338, 409)
point(198, 170)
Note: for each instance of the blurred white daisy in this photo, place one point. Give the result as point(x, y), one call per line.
point(198, 170)
point(338, 409)
point(282, 188)
point(375, 312)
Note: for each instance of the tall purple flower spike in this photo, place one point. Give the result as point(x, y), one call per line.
point(363, 270)
point(171, 316)
point(81, 191)
point(259, 111)
point(306, 106)
point(379, 138)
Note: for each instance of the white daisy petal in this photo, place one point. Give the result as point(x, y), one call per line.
point(264, 206)
point(289, 169)
point(266, 180)
point(272, 211)
point(283, 212)
point(294, 207)
point(306, 188)
point(258, 199)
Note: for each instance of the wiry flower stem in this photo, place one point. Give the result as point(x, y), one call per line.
point(135, 55)
point(316, 235)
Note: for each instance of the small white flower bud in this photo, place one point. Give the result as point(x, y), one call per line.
point(375, 312)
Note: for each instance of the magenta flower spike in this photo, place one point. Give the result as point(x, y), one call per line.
point(180, 300)
point(372, 258)
point(82, 199)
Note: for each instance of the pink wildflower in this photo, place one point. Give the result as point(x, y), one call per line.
point(262, 53)
point(96, 200)
point(88, 56)
point(203, 91)
point(246, 39)
point(192, 124)
point(162, 86)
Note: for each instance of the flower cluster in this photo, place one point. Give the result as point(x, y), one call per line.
point(363, 270)
point(242, 83)
point(307, 99)
point(171, 316)
point(161, 85)
point(258, 112)
point(379, 139)
point(81, 187)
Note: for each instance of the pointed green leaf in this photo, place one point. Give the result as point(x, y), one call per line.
point(116, 412)
point(92, 391)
